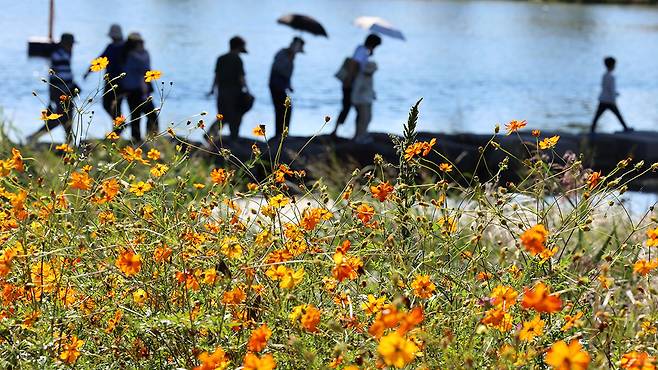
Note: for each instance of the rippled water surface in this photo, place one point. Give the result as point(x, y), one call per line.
point(475, 63)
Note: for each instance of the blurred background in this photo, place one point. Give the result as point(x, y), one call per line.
point(476, 63)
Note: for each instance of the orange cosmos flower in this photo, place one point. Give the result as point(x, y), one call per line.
point(381, 191)
point(234, 296)
point(17, 160)
point(373, 305)
point(498, 318)
point(419, 149)
point(259, 130)
point(153, 154)
point(259, 338)
point(567, 357)
point(162, 253)
point(307, 315)
point(219, 176)
point(534, 239)
point(189, 279)
point(365, 213)
point(503, 296)
point(119, 121)
point(532, 329)
point(253, 362)
point(213, 361)
point(445, 167)
point(638, 361)
point(71, 350)
point(593, 179)
point(514, 126)
point(571, 320)
point(652, 235)
point(423, 287)
point(540, 299)
point(130, 155)
point(80, 181)
point(66, 148)
point(311, 217)
point(346, 267)
point(129, 263)
point(396, 350)
point(643, 267)
point(109, 190)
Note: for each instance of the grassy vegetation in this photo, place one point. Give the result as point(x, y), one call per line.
point(116, 256)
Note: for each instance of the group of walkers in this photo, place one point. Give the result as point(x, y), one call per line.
point(128, 61)
point(128, 57)
point(229, 83)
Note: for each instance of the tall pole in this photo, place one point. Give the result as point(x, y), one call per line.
point(51, 17)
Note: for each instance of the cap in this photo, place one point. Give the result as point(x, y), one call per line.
point(67, 37)
point(135, 36)
point(301, 42)
point(238, 43)
point(115, 32)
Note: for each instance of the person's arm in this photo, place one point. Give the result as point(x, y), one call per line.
point(243, 81)
point(352, 70)
point(282, 65)
point(613, 86)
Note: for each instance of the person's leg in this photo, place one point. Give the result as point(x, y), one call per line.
point(110, 102)
point(134, 102)
point(279, 110)
point(68, 128)
point(347, 104)
point(151, 118)
point(287, 111)
point(615, 110)
point(232, 112)
point(234, 126)
point(359, 119)
point(367, 117)
point(599, 111)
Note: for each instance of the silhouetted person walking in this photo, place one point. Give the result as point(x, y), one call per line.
point(280, 84)
point(608, 97)
point(228, 84)
point(136, 62)
point(354, 65)
point(112, 97)
point(61, 90)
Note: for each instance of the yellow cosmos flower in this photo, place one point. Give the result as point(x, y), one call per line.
point(152, 75)
point(549, 142)
point(99, 64)
point(278, 201)
point(140, 188)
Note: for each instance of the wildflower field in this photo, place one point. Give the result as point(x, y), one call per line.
point(120, 256)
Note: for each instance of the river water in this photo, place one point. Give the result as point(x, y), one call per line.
point(476, 63)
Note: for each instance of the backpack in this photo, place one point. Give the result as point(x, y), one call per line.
point(344, 73)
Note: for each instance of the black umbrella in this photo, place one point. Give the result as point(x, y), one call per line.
point(303, 23)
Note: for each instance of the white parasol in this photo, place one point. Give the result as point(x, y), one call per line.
point(379, 26)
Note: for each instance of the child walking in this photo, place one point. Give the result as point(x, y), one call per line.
point(608, 97)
